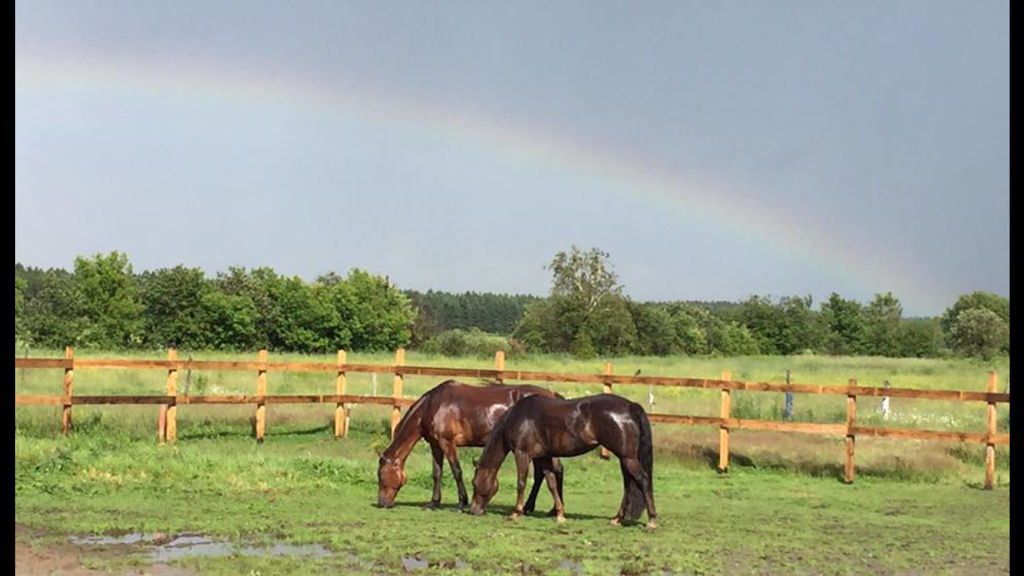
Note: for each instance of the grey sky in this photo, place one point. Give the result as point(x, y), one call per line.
point(863, 147)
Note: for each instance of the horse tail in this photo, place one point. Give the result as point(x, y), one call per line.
point(636, 502)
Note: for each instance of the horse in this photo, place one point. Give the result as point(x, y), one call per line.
point(450, 415)
point(541, 428)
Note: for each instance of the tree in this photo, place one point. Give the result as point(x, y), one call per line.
point(655, 332)
point(585, 278)
point(800, 328)
point(979, 300)
point(173, 302)
point(920, 338)
point(764, 320)
point(55, 317)
point(19, 303)
point(978, 332)
point(376, 315)
point(536, 329)
point(110, 301)
point(585, 314)
point(691, 338)
point(882, 325)
point(844, 325)
point(229, 321)
point(733, 339)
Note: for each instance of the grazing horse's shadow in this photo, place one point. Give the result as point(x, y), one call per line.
point(498, 509)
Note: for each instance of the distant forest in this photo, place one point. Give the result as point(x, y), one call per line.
point(102, 303)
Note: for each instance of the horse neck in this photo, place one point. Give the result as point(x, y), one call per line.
point(494, 452)
point(407, 435)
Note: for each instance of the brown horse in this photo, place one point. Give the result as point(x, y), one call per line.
point(450, 415)
point(540, 428)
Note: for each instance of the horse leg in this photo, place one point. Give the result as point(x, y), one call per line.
point(637, 471)
point(438, 455)
point(538, 478)
point(626, 479)
point(552, 479)
point(556, 466)
point(452, 454)
point(522, 471)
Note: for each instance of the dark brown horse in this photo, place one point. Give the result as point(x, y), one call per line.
point(450, 415)
point(541, 428)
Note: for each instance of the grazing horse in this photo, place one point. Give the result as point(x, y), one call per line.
point(450, 415)
point(540, 428)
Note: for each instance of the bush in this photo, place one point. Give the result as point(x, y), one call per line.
point(473, 342)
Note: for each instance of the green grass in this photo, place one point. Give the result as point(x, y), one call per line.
point(303, 487)
point(915, 505)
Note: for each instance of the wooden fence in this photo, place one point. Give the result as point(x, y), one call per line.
point(167, 421)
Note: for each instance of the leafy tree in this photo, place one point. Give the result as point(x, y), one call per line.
point(655, 332)
point(920, 338)
point(376, 314)
point(844, 326)
point(984, 300)
point(882, 325)
point(55, 317)
point(765, 321)
point(110, 300)
point(691, 338)
point(978, 332)
point(173, 303)
point(229, 321)
point(19, 303)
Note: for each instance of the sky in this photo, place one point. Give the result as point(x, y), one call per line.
point(714, 150)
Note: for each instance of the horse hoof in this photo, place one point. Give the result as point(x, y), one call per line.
point(514, 516)
point(552, 512)
point(651, 525)
point(560, 519)
point(431, 505)
point(615, 522)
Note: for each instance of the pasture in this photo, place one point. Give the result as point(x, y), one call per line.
point(782, 508)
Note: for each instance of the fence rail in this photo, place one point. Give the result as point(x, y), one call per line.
point(167, 426)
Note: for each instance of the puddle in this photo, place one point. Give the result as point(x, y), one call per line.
point(190, 545)
point(133, 538)
point(574, 567)
point(411, 564)
point(414, 563)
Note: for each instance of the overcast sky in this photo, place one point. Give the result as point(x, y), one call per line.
point(715, 150)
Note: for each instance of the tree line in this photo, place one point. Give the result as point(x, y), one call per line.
point(102, 303)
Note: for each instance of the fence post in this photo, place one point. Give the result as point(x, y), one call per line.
point(499, 365)
point(169, 412)
point(261, 391)
point(990, 448)
point(396, 410)
point(885, 402)
point(341, 413)
point(723, 431)
point(69, 388)
point(851, 417)
point(787, 411)
point(607, 390)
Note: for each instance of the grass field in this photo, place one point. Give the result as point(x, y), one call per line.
point(916, 507)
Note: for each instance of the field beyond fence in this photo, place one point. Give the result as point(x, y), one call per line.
point(725, 422)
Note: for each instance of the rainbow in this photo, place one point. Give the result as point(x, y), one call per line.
point(625, 174)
